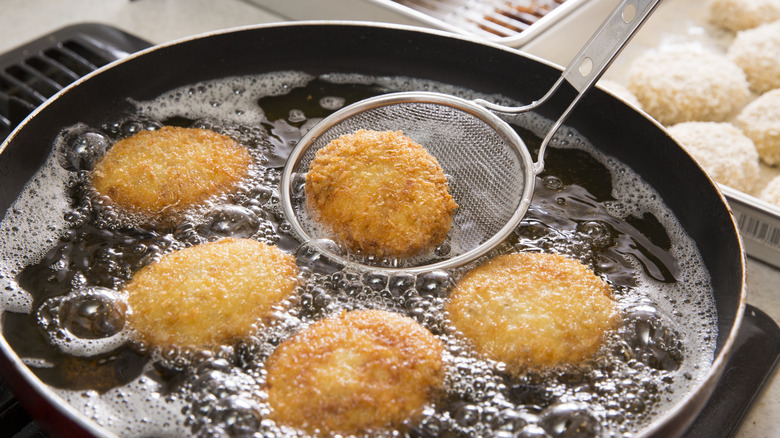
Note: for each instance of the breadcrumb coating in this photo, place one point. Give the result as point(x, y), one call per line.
point(687, 84)
point(208, 294)
point(760, 120)
point(771, 193)
point(757, 53)
point(533, 310)
point(353, 373)
point(169, 170)
point(380, 193)
point(736, 15)
point(722, 150)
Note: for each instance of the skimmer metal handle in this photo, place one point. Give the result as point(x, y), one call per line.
point(590, 63)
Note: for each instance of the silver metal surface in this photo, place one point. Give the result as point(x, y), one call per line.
point(591, 62)
point(759, 225)
point(509, 22)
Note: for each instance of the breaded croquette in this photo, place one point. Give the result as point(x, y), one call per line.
point(760, 121)
point(380, 193)
point(353, 373)
point(688, 84)
point(208, 294)
point(170, 169)
point(532, 310)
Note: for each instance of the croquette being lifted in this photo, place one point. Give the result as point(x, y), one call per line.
point(380, 193)
point(354, 373)
point(170, 169)
point(533, 310)
point(208, 294)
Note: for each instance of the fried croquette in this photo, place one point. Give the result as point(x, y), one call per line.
point(533, 310)
point(380, 193)
point(170, 169)
point(353, 373)
point(208, 294)
point(687, 84)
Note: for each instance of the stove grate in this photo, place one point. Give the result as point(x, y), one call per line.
point(31, 74)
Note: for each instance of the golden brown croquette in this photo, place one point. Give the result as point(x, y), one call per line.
point(208, 294)
point(359, 371)
point(170, 169)
point(532, 310)
point(380, 193)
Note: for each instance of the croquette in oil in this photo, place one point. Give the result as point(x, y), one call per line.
point(170, 169)
point(380, 193)
point(352, 373)
point(533, 310)
point(208, 294)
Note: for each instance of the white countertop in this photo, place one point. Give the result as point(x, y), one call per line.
point(160, 21)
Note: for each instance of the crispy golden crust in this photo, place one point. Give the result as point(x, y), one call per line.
point(356, 372)
point(380, 193)
point(532, 310)
point(170, 169)
point(208, 294)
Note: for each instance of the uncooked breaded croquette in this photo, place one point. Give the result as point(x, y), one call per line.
point(760, 120)
point(757, 53)
point(380, 193)
point(685, 84)
point(771, 193)
point(208, 294)
point(736, 15)
point(169, 169)
point(533, 310)
point(359, 371)
point(727, 155)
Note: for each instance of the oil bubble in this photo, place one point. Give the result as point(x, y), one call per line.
point(652, 339)
point(570, 420)
point(600, 234)
point(93, 315)
point(400, 283)
point(298, 185)
point(79, 147)
point(296, 116)
point(552, 182)
point(332, 103)
point(435, 283)
point(311, 256)
point(85, 322)
point(230, 220)
point(375, 280)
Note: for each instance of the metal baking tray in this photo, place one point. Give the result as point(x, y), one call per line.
point(759, 225)
point(509, 22)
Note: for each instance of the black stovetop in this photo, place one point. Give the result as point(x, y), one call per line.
point(29, 75)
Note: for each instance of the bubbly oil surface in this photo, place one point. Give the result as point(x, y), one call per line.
point(65, 255)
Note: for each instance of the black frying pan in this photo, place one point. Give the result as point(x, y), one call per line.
point(615, 128)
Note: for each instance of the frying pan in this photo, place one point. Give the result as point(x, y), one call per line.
point(615, 128)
